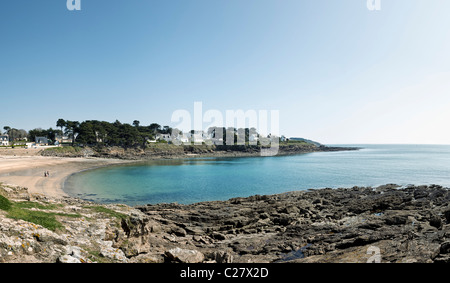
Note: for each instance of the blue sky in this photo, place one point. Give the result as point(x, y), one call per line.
point(337, 72)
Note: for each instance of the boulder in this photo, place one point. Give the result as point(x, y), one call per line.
point(184, 256)
point(223, 257)
point(68, 259)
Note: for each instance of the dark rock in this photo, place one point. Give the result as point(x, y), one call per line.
point(420, 192)
point(445, 248)
point(435, 221)
point(283, 220)
point(218, 236)
point(396, 218)
point(447, 214)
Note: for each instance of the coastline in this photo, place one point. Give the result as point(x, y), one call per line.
point(406, 224)
point(28, 171)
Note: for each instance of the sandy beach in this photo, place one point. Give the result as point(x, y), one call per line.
point(26, 168)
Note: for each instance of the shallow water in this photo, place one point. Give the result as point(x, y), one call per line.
point(204, 179)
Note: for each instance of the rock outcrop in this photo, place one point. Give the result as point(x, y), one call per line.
point(383, 224)
point(158, 151)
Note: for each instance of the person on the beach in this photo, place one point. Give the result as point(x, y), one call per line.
point(45, 173)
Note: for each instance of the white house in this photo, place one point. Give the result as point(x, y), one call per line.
point(62, 139)
point(217, 141)
point(4, 140)
point(165, 137)
point(197, 137)
point(253, 138)
point(30, 145)
point(183, 139)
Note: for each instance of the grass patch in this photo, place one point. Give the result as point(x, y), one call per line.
point(47, 220)
point(5, 204)
point(31, 204)
point(65, 149)
point(107, 211)
point(21, 210)
point(294, 142)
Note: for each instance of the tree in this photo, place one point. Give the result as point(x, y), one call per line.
point(61, 123)
point(167, 130)
point(86, 133)
point(22, 134)
point(101, 133)
point(72, 130)
point(155, 128)
point(38, 132)
point(14, 133)
point(7, 128)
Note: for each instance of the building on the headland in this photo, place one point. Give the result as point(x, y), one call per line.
point(163, 137)
point(201, 137)
point(41, 141)
point(197, 137)
point(253, 138)
point(59, 140)
point(181, 138)
point(4, 140)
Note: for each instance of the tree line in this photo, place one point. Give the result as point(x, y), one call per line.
point(102, 133)
point(92, 133)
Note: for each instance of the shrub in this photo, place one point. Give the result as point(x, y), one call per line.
point(5, 204)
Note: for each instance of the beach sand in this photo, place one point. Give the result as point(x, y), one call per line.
point(26, 169)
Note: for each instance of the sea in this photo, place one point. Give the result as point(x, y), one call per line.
point(192, 180)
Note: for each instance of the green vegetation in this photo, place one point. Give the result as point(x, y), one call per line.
point(96, 133)
point(5, 204)
point(32, 204)
point(15, 134)
point(65, 149)
point(107, 211)
point(21, 210)
point(101, 133)
point(293, 142)
point(44, 219)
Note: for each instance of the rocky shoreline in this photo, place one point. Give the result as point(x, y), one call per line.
point(169, 151)
point(359, 224)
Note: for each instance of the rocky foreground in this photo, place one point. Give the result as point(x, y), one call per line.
point(386, 224)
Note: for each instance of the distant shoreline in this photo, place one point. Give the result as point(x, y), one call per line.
point(169, 151)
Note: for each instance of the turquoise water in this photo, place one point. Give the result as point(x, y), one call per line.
point(193, 180)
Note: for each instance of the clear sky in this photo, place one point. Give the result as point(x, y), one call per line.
point(336, 71)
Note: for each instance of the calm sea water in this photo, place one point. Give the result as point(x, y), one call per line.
point(193, 180)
